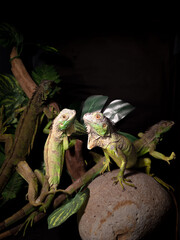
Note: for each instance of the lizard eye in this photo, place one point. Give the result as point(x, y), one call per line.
point(64, 116)
point(98, 116)
point(104, 125)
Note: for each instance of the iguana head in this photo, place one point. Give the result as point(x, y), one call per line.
point(164, 126)
point(154, 133)
point(65, 119)
point(47, 87)
point(97, 123)
point(43, 92)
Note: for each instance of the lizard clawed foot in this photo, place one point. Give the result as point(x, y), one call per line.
point(29, 222)
point(122, 180)
point(171, 157)
point(105, 167)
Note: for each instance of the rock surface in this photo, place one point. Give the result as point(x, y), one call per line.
point(124, 215)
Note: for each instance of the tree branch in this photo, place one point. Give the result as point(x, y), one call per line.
point(85, 179)
point(25, 81)
point(20, 73)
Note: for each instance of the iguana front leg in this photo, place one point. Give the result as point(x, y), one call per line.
point(120, 177)
point(121, 160)
point(161, 156)
point(106, 162)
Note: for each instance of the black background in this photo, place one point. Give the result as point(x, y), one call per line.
point(134, 57)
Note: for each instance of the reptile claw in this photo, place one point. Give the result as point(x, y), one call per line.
point(105, 167)
point(122, 180)
point(171, 157)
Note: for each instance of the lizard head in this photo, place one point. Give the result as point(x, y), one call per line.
point(65, 119)
point(97, 123)
point(44, 91)
point(47, 89)
point(164, 126)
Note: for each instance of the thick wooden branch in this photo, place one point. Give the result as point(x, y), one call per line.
point(20, 73)
point(25, 81)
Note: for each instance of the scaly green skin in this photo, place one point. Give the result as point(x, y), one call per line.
point(54, 150)
point(116, 146)
point(20, 147)
point(121, 150)
point(149, 140)
point(151, 135)
point(56, 144)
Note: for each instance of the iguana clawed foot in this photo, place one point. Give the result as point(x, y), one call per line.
point(29, 222)
point(171, 157)
point(122, 180)
point(106, 164)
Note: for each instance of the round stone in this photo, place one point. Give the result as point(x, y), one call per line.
point(112, 213)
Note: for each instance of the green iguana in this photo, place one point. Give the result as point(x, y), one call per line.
point(54, 151)
point(116, 146)
point(19, 146)
point(56, 144)
point(149, 140)
point(119, 148)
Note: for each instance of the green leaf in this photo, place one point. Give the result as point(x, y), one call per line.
point(12, 97)
point(10, 37)
point(48, 48)
point(93, 103)
point(13, 187)
point(45, 72)
point(71, 207)
point(117, 110)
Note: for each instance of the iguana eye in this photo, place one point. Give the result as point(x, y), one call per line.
point(98, 116)
point(104, 125)
point(64, 116)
